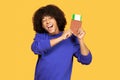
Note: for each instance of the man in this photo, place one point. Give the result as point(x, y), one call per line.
point(54, 46)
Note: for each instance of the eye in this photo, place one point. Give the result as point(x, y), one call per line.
point(43, 20)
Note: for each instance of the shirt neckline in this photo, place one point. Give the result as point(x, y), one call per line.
point(56, 35)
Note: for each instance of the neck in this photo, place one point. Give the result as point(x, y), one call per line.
point(57, 32)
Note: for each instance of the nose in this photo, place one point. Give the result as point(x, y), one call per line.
point(47, 21)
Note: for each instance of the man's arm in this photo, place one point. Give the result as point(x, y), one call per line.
point(84, 56)
point(39, 46)
point(64, 36)
point(84, 49)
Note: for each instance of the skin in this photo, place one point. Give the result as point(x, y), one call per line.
point(49, 21)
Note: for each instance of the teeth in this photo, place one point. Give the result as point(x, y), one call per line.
point(49, 25)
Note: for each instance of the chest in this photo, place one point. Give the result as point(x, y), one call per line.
point(63, 50)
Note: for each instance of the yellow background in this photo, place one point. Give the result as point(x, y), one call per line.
point(101, 21)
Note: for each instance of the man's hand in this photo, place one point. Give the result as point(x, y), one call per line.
point(83, 47)
point(66, 34)
point(80, 34)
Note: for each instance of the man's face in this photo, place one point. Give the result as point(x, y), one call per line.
point(50, 25)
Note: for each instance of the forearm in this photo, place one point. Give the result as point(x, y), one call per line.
point(55, 41)
point(84, 50)
point(65, 35)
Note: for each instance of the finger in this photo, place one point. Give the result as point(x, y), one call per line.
point(82, 31)
point(68, 34)
point(70, 31)
point(79, 30)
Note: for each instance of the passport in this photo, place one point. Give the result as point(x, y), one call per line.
point(76, 23)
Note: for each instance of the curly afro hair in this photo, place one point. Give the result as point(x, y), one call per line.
point(49, 10)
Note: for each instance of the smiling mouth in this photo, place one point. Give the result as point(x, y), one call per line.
point(50, 26)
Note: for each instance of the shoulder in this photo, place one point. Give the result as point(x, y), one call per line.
point(41, 36)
